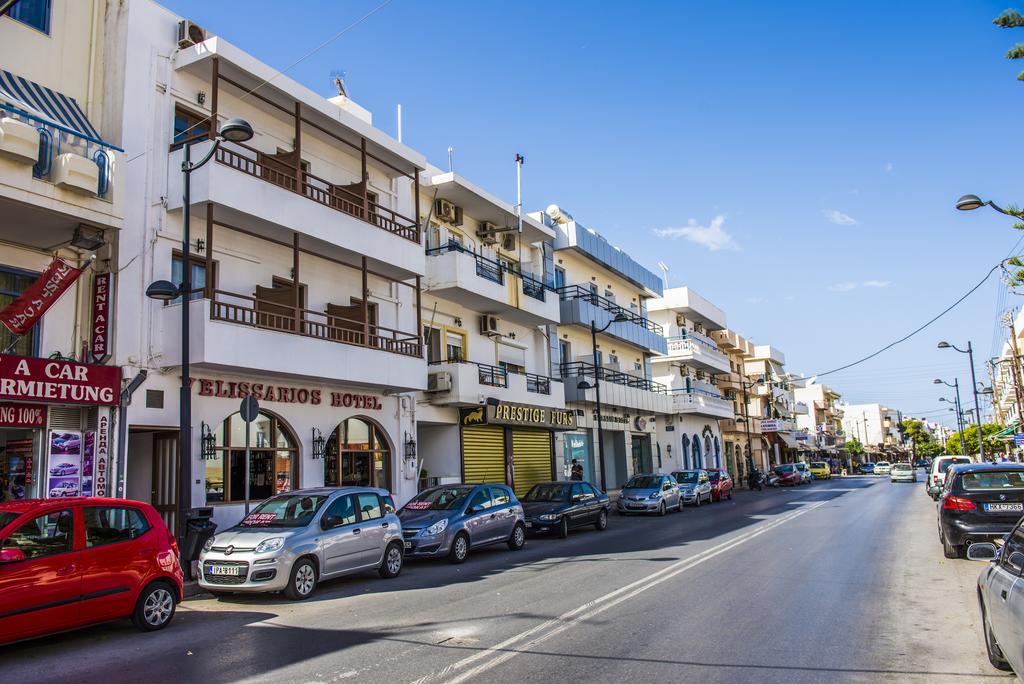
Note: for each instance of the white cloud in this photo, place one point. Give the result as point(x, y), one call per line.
point(888, 167)
point(843, 287)
point(711, 236)
point(877, 283)
point(848, 285)
point(756, 300)
point(839, 218)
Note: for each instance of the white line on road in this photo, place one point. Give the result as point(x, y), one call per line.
point(503, 651)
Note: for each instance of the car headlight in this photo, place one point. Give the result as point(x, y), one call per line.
point(549, 516)
point(209, 544)
point(437, 528)
point(268, 545)
point(655, 495)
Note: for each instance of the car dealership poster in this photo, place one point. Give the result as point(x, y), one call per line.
point(65, 473)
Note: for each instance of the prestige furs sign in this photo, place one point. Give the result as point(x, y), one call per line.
point(519, 414)
point(58, 382)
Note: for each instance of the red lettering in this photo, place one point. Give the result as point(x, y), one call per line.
point(257, 390)
point(303, 396)
point(346, 400)
point(314, 397)
point(233, 390)
point(335, 399)
point(206, 388)
point(243, 390)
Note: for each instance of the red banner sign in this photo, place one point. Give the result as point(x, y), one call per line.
point(22, 415)
point(58, 382)
point(101, 291)
point(21, 314)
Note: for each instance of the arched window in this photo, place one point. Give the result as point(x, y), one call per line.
point(273, 459)
point(718, 454)
point(697, 461)
point(686, 453)
point(358, 455)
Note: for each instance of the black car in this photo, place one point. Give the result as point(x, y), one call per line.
point(560, 506)
point(979, 502)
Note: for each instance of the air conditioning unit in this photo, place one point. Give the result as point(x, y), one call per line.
point(489, 325)
point(439, 382)
point(189, 34)
point(448, 212)
point(509, 242)
point(488, 233)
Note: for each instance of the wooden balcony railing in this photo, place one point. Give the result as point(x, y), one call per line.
point(341, 198)
point(268, 315)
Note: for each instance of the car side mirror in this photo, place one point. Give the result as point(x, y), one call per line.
point(982, 551)
point(470, 510)
point(11, 555)
point(329, 521)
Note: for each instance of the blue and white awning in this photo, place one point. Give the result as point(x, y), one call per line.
point(45, 103)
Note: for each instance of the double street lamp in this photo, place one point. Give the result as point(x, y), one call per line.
point(584, 385)
point(974, 381)
point(956, 404)
point(236, 131)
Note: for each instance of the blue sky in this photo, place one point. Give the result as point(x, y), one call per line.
point(796, 162)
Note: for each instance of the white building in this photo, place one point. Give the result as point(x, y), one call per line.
point(876, 426)
point(822, 422)
point(773, 401)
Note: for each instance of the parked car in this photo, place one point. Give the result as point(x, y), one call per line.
point(1001, 600)
point(721, 484)
point(293, 541)
point(71, 563)
point(789, 474)
point(979, 502)
point(650, 494)
point(937, 474)
point(452, 519)
point(805, 472)
point(882, 467)
point(902, 472)
point(561, 506)
point(64, 469)
point(866, 469)
point(694, 486)
point(820, 470)
point(63, 489)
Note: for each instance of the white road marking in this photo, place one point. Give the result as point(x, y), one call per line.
point(502, 652)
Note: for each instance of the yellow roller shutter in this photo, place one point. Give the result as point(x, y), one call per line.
point(483, 453)
point(531, 458)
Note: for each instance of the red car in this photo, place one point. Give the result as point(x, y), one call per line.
point(721, 483)
point(73, 562)
point(789, 474)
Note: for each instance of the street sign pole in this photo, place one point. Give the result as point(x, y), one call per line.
point(248, 411)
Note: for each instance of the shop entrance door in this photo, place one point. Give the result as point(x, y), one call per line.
point(642, 462)
point(164, 495)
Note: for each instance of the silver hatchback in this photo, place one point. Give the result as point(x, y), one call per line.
point(292, 541)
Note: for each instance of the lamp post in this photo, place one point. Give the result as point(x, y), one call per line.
point(584, 385)
point(974, 383)
point(746, 421)
point(957, 405)
point(233, 130)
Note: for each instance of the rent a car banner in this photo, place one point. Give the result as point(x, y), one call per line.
point(20, 315)
point(61, 382)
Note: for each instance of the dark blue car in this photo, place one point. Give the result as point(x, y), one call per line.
point(561, 506)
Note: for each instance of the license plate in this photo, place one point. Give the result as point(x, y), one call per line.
point(408, 545)
point(635, 506)
point(224, 570)
point(1008, 507)
point(529, 524)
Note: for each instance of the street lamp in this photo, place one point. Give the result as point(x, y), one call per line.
point(236, 131)
point(620, 317)
point(959, 409)
point(972, 202)
point(974, 386)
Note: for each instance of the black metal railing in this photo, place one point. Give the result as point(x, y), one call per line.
point(570, 292)
point(497, 376)
point(494, 270)
point(538, 384)
point(581, 369)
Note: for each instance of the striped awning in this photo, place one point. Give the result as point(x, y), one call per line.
point(45, 103)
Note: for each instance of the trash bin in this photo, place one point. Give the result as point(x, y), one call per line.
point(199, 527)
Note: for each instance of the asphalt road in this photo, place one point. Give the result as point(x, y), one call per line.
point(839, 581)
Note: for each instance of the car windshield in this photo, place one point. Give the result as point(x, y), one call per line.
point(881, 464)
point(290, 510)
point(686, 476)
point(548, 493)
point(6, 518)
point(440, 499)
point(643, 482)
point(713, 475)
point(787, 468)
point(946, 463)
point(995, 479)
point(819, 466)
point(902, 466)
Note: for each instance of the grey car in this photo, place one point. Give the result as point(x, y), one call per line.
point(452, 519)
point(694, 486)
point(1001, 599)
point(649, 494)
point(292, 541)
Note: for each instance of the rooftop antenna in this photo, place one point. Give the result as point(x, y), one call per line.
point(664, 273)
point(451, 153)
point(338, 79)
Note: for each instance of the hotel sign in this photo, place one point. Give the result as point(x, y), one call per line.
point(520, 415)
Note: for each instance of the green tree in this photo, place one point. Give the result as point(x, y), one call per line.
point(853, 447)
point(967, 443)
point(929, 449)
point(1011, 18)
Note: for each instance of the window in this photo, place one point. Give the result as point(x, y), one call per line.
point(12, 283)
point(369, 506)
point(511, 358)
point(46, 535)
point(112, 525)
point(197, 266)
point(577, 492)
point(499, 496)
point(589, 491)
point(559, 277)
point(432, 338)
point(34, 13)
point(1011, 558)
point(343, 510)
point(564, 352)
point(480, 500)
point(455, 346)
point(273, 461)
point(357, 454)
point(189, 127)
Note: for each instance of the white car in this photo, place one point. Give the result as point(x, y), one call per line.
point(937, 475)
point(902, 472)
point(66, 488)
point(883, 468)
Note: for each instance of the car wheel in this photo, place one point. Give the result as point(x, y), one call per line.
point(518, 539)
point(155, 607)
point(602, 521)
point(563, 528)
point(995, 654)
point(391, 566)
point(302, 581)
point(460, 549)
point(661, 509)
point(696, 500)
point(950, 550)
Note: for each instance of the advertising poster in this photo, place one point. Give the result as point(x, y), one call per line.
point(65, 474)
point(88, 461)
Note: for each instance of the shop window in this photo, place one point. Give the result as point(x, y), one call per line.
point(273, 461)
point(112, 524)
point(12, 283)
point(34, 13)
point(189, 127)
point(357, 454)
point(46, 535)
point(197, 266)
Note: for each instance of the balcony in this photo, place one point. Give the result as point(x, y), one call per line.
point(580, 306)
point(467, 383)
point(697, 351)
point(617, 388)
point(237, 333)
point(482, 284)
point(801, 408)
point(699, 403)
